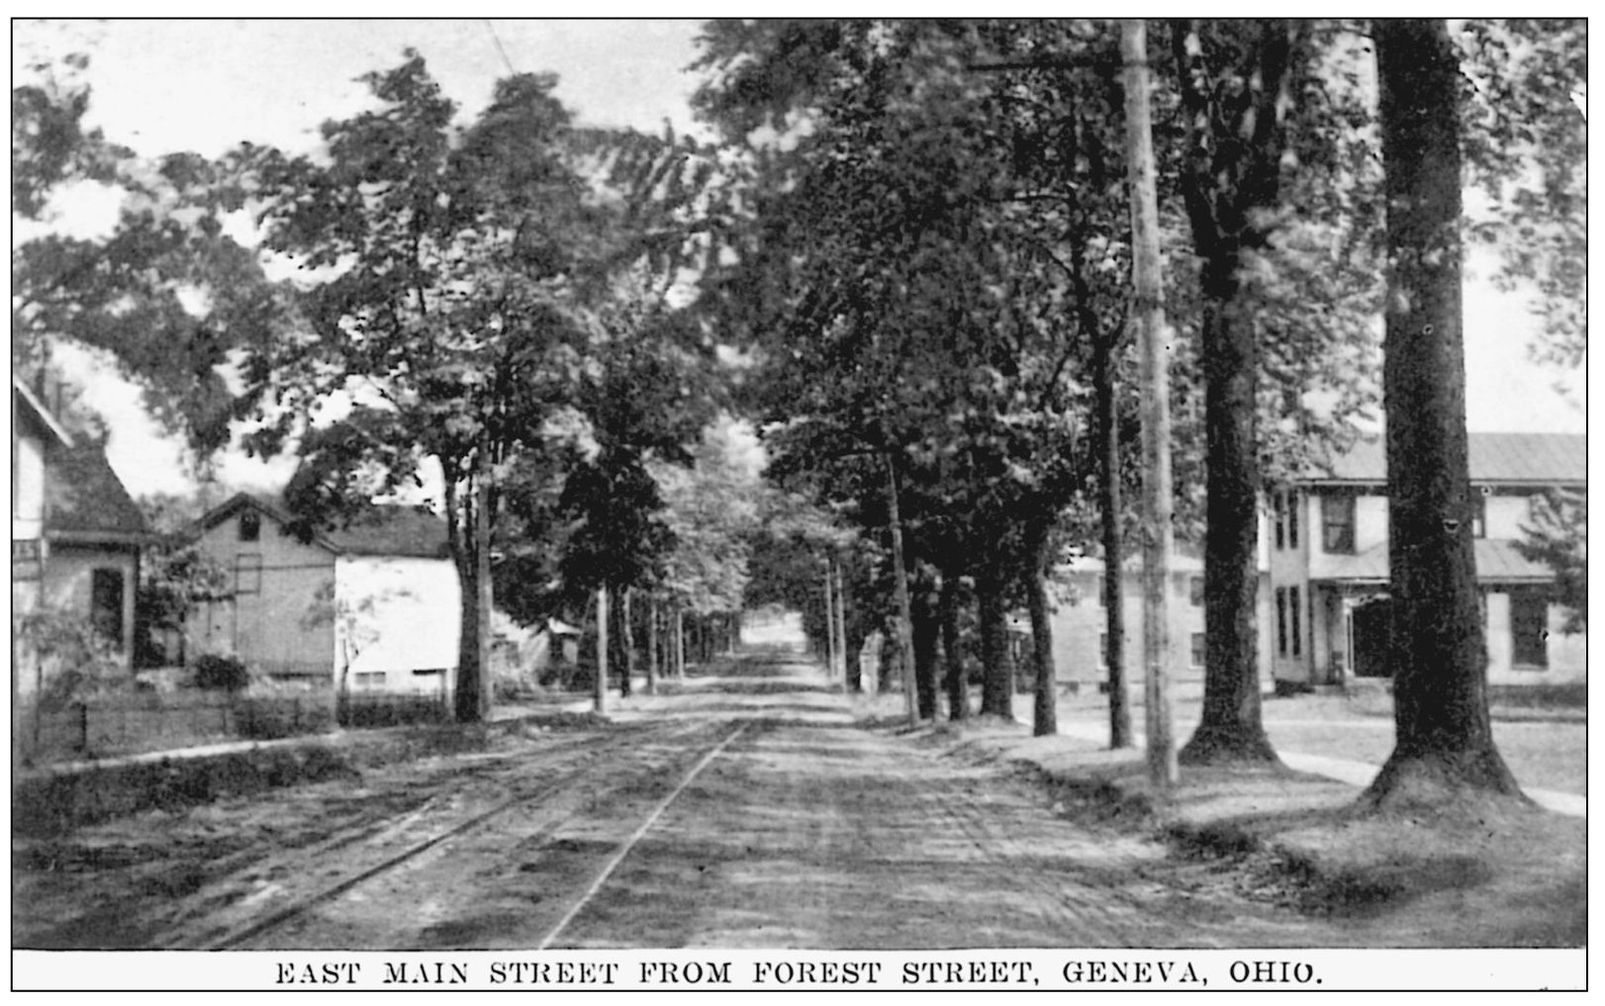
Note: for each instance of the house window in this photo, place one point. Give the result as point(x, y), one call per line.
point(1479, 513)
point(247, 574)
point(1337, 524)
point(1279, 510)
point(1281, 620)
point(1292, 519)
point(1198, 651)
point(1195, 591)
point(1103, 651)
point(1295, 618)
point(368, 680)
point(250, 526)
point(106, 604)
point(1529, 630)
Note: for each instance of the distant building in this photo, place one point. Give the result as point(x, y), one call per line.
point(76, 534)
point(1080, 622)
point(371, 607)
point(1328, 547)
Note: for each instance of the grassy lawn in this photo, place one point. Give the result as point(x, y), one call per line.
point(1542, 753)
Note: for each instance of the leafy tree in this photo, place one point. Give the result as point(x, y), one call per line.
point(1443, 744)
point(1558, 537)
point(1281, 204)
point(175, 574)
point(918, 323)
point(167, 295)
point(1234, 81)
point(1524, 143)
point(449, 273)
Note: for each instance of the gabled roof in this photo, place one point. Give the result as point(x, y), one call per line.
point(86, 502)
point(1495, 458)
point(34, 410)
point(1498, 561)
point(382, 531)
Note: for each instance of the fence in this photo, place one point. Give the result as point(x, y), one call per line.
point(144, 722)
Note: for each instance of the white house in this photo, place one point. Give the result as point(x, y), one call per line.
point(1329, 564)
point(370, 607)
point(1080, 621)
point(76, 535)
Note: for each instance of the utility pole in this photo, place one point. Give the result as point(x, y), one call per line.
point(601, 648)
point(905, 612)
point(1158, 537)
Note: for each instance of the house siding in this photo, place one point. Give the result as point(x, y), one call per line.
point(284, 628)
point(1506, 470)
point(1079, 624)
point(399, 623)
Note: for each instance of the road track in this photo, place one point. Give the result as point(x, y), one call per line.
point(599, 755)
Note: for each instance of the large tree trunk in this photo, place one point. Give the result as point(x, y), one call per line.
point(1044, 710)
point(1235, 140)
point(471, 553)
point(855, 659)
point(620, 653)
point(958, 688)
point(1443, 743)
point(997, 685)
point(679, 640)
point(905, 618)
point(1231, 727)
point(652, 646)
point(1110, 495)
point(927, 630)
point(855, 632)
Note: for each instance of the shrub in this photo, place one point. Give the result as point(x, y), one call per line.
point(219, 673)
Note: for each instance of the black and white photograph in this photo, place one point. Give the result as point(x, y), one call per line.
point(817, 505)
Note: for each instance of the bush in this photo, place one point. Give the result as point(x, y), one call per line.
point(272, 717)
point(218, 673)
point(74, 660)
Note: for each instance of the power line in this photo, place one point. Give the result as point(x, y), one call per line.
point(498, 40)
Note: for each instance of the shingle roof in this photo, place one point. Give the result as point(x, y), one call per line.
point(1503, 458)
point(84, 499)
point(382, 530)
point(392, 530)
point(1497, 560)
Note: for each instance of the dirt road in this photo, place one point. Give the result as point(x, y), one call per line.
point(748, 810)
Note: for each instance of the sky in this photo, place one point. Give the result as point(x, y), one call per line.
point(206, 85)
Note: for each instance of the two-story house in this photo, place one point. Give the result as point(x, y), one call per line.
point(1328, 549)
point(76, 534)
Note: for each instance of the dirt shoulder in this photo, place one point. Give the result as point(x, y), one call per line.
point(1481, 875)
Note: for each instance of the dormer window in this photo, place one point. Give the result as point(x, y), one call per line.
point(250, 526)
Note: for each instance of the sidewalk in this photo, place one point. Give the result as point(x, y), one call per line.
point(1355, 773)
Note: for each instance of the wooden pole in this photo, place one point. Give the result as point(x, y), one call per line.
point(1158, 538)
point(601, 649)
